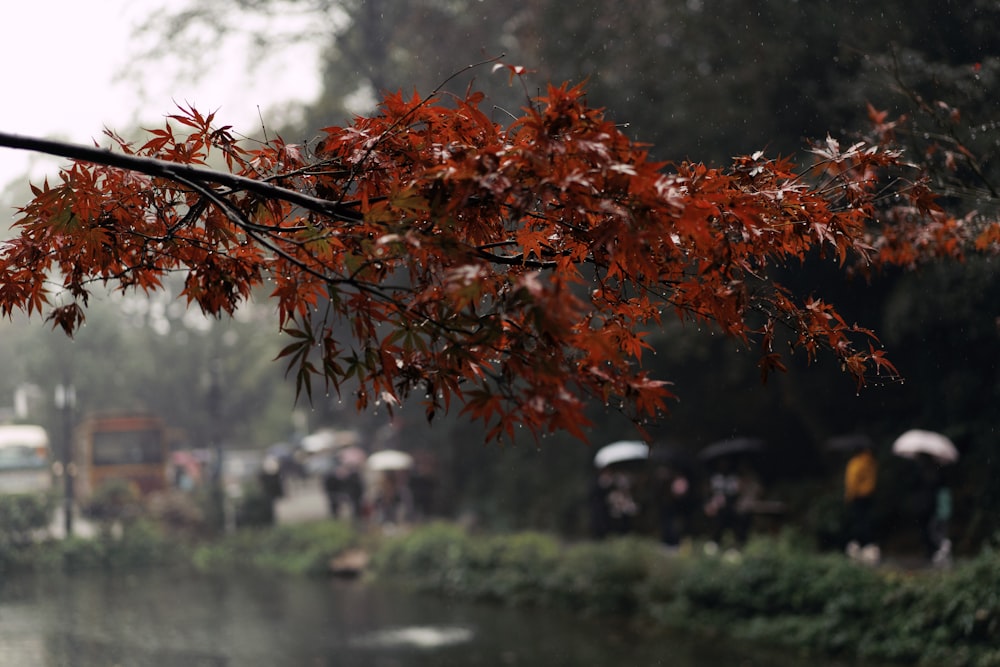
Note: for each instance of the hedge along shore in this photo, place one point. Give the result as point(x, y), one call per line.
point(774, 592)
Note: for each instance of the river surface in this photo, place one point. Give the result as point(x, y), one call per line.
point(163, 620)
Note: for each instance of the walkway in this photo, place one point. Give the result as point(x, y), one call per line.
point(303, 501)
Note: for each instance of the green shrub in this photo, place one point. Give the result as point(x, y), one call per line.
point(443, 558)
point(305, 548)
point(774, 583)
point(22, 516)
point(77, 554)
point(607, 577)
point(939, 612)
point(821, 603)
point(510, 568)
point(827, 604)
point(140, 544)
point(431, 557)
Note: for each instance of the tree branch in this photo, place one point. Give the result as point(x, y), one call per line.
point(179, 172)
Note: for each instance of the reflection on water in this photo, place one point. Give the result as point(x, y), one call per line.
point(422, 636)
point(163, 620)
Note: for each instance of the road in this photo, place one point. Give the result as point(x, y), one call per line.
point(303, 501)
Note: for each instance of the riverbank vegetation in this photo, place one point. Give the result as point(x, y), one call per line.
point(775, 592)
point(778, 591)
point(299, 549)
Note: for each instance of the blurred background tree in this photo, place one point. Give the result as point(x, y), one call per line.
point(697, 80)
point(143, 355)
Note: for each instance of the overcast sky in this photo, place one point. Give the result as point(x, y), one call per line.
point(60, 66)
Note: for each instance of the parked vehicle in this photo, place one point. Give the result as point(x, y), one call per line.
point(25, 462)
point(132, 449)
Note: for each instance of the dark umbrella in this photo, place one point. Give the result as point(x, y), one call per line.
point(849, 443)
point(731, 447)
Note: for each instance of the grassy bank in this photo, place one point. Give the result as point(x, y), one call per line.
point(776, 592)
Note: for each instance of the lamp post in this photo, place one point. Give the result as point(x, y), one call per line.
point(213, 400)
point(214, 404)
point(65, 399)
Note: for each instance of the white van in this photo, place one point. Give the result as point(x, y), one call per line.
point(24, 459)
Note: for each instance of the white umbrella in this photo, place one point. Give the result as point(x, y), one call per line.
point(318, 442)
point(916, 442)
point(389, 459)
point(328, 439)
point(621, 451)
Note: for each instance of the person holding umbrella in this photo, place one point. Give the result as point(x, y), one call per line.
point(392, 500)
point(733, 489)
point(860, 480)
point(613, 505)
point(934, 509)
point(931, 451)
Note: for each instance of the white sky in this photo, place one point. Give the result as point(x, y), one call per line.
point(60, 62)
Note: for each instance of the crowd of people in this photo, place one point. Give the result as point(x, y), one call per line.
point(392, 495)
point(724, 502)
point(717, 495)
point(721, 498)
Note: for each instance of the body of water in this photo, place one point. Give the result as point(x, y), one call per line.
point(169, 620)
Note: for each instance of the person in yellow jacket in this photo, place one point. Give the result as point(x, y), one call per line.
point(860, 479)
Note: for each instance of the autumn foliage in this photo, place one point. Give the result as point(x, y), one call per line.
point(430, 253)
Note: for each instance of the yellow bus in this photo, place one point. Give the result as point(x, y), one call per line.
point(24, 459)
point(131, 448)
